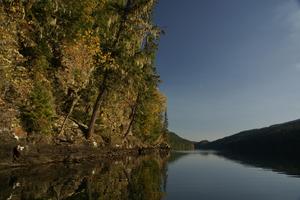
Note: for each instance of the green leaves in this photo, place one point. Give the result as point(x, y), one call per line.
point(72, 53)
point(38, 115)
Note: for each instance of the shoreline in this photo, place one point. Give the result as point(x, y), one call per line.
point(44, 154)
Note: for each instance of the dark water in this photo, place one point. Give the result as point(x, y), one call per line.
point(181, 175)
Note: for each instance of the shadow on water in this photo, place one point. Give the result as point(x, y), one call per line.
point(131, 178)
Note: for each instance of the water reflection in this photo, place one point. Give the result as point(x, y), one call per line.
point(191, 174)
point(130, 178)
point(211, 175)
point(284, 164)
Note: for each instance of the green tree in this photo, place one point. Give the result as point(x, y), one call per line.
point(38, 114)
point(126, 51)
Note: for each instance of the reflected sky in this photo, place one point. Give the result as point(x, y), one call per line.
point(199, 176)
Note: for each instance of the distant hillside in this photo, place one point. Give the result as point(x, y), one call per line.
point(179, 143)
point(277, 139)
point(198, 145)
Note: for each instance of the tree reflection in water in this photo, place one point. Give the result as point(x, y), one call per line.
point(138, 178)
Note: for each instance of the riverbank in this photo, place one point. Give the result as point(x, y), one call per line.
point(22, 153)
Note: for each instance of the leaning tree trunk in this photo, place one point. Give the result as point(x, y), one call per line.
point(98, 103)
point(74, 102)
point(103, 88)
point(132, 116)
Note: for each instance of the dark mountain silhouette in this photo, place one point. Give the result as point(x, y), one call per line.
point(276, 139)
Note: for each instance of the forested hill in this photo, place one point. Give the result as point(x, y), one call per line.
point(277, 139)
point(72, 70)
point(178, 143)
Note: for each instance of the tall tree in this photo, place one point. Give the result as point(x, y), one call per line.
point(78, 62)
point(134, 24)
point(166, 121)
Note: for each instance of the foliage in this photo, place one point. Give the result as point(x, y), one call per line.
point(38, 115)
point(178, 143)
point(93, 59)
point(149, 123)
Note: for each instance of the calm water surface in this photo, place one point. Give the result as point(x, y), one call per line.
point(208, 176)
point(181, 175)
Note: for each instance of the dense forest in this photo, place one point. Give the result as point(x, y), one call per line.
point(74, 71)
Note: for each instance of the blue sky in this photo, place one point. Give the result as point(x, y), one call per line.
point(229, 66)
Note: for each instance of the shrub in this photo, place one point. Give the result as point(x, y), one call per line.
point(38, 115)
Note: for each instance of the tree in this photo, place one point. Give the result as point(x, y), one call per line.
point(92, 61)
point(134, 25)
point(78, 62)
point(166, 121)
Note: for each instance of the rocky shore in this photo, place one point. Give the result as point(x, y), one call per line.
point(18, 153)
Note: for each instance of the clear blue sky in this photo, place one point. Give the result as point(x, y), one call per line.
point(229, 65)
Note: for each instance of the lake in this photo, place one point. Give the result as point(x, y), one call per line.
point(207, 176)
point(181, 175)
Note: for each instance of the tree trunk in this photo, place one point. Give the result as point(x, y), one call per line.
point(98, 103)
point(68, 115)
point(122, 23)
point(88, 189)
point(103, 88)
point(132, 116)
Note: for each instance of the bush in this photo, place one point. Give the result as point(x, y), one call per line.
point(38, 115)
